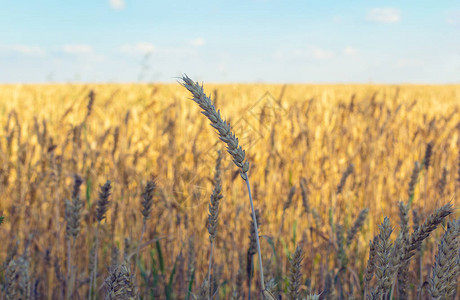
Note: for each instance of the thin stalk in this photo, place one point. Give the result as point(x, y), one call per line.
point(426, 190)
point(69, 276)
point(95, 254)
point(249, 289)
point(282, 223)
point(90, 284)
point(91, 274)
point(393, 285)
point(331, 216)
point(93, 277)
point(420, 255)
point(257, 235)
point(73, 267)
point(420, 264)
point(457, 187)
point(209, 271)
point(139, 246)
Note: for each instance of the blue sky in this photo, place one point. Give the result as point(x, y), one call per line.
point(230, 41)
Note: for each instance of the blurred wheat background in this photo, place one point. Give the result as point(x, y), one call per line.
point(318, 154)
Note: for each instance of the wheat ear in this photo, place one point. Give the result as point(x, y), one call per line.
point(399, 244)
point(413, 182)
point(383, 271)
point(356, 225)
point(446, 269)
point(214, 213)
point(370, 268)
point(146, 202)
point(229, 138)
point(424, 230)
point(121, 284)
point(345, 175)
point(295, 276)
point(101, 209)
point(252, 250)
point(72, 215)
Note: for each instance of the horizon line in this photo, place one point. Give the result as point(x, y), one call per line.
point(225, 83)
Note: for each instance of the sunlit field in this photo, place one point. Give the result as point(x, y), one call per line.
point(327, 164)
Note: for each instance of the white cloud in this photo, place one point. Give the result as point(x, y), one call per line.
point(384, 15)
point(454, 18)
point(23, 49)
point(349, 51)
point(117, 4)
point(197, 42)
point(77, 49)
point(321, 53)
point(139, 48)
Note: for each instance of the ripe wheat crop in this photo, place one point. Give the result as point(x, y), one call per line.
point(246, 192)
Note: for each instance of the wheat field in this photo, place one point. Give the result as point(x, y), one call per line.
point(112, 192)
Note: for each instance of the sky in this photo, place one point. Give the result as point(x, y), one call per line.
point(268, 41)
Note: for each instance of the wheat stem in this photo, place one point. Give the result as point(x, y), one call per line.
point(139, 245)
point(69, 276)
point(209, 270)
point(256, 234)
point(93, 279)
